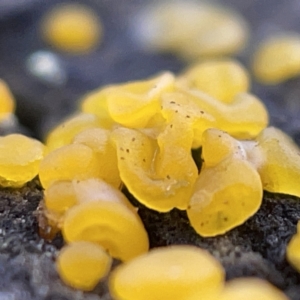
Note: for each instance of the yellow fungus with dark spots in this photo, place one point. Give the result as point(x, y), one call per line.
point(249, 289)
point(110, 224)
point(20, 157)
point(174, 272)
point(72, 28)
point(82, 265)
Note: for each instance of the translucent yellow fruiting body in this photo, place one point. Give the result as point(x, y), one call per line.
point(98, 140)
point(277, 59)
point(70, 162)
point(82, 265)
point(277, 161)
point(110, 224)
point(7, 102)
point(72, 28)
point(20, 157)
point(293, 250)
point(148, 169)
point(223, 79)
point(249, 289)
point(65, 132)
point(175, 272)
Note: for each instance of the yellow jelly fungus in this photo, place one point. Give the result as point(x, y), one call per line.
point(74, 161)
point(191, 29)
point(175, 272)
point(159, 177)
point(7, 102)
point(244, 118)
point(222, 79)
point(98, 140)
point(20, 157)
point(219, 192)
point(82, 265)
point(249, 289)
point(110, 224)
point(293, 250)
point(134, 104)
point(65, 132)
point(278, 59)
point(277, 160)
point(72, 28)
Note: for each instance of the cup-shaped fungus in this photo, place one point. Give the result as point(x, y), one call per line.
point(98, 140)
point(64, 133)
point(82, 265)
point(72, 28)
point(278, 58)
point(249, 289)
point(222, 79)
point(7, 102)
point(112, 225)
point(75, 161)
point(159, 176)
point(20, 157)
point(175, 272)
point(293, 250)
point(228, 181)
point(277, 160)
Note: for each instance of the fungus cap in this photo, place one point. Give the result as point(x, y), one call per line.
point(7, 102)
point(293, 250)
point(174, 272)
point(112, 225)
point(82, 265)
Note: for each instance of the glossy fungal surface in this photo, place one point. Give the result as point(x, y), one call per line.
point(70, 162)
point(174, 272)
point(222, 79)
point(249, 289)
point(112, 225)
point(7, 102)
point(82, 265)
point(72, 28)
point(20, 157)
point(293, 250)
point(277, 59)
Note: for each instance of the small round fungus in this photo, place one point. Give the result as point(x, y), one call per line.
point(278, 59)
point(72, 28)
point(20, 157)
point(175, 272)
point(7, 102)
point(110, 224)
point(222, 79)
point(82, 265)
point(249, 289)
point(70, 162)
point(293, 250)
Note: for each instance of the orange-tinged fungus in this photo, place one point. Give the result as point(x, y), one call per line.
point(20, 157)
point(110, 224)
point(70, 162)
point(159, 174)
point(98, 140)
point(64, 133)
point(278, 58)
point(222, 79)
point(7, 102)
point(72, 28)
point(82, 265)
point(249, 289)
point(175, 272)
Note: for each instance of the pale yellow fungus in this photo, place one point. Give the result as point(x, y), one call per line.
point(110, 224)
point(20, 157)
point(249, 289)
point(293, 250)
point(175, 272)
point(7, 102)
point(223, 79)
point(278, 58)
point(64, 133)
point(82, 265)
point(73, 28)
